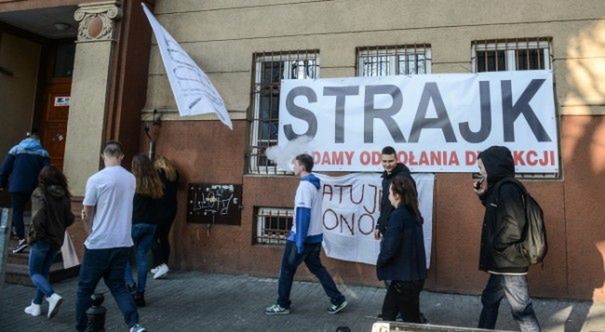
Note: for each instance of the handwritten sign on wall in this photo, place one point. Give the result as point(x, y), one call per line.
point(209, 203)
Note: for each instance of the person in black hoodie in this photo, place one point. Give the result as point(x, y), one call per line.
point(144, 220)
point(501, 238)
point(51, 215)
point(167, 212)
point(402, 257)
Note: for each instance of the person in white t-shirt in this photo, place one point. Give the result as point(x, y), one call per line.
point(107, 214)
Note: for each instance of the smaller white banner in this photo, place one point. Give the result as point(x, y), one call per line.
point(351, 207)
point(193, 91)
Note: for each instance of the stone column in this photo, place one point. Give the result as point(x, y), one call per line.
point(90, 89)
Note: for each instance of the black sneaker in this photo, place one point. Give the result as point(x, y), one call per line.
point(334, 309)
point(22, 244)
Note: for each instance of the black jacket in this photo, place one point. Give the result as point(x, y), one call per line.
point(504, 220)
point(144, 210)
point(51, 215)
point(402, 255)
point(385, 205)
point(168, 202)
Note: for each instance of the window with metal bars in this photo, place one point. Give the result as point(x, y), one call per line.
point(511, 54)
point(272, 225)
point(394, 60)
point(269, 69)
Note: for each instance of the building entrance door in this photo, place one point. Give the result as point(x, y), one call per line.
point(54, 116)
point(53, 109)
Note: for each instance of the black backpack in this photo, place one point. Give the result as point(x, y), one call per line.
point(534, 243)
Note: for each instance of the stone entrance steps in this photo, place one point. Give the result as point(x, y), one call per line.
point(17, 271)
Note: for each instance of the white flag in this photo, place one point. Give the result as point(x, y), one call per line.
point(193, 91)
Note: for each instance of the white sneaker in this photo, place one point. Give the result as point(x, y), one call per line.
point(54, 302)
point(22, 244)
point(155, 269)
point(33, 309)
point(138, 328)
point(161, 271)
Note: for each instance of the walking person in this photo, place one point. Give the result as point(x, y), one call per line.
point(51, 215)
point(392, 168)
point(20, 171)
point(144, 218)
point(167, 206)
point(402, 258)
point(502, 232)
point(304, 242)
point(107, 214)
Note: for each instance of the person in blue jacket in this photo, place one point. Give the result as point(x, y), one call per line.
point(20, 171)
point(402, 257)
point(304, 242)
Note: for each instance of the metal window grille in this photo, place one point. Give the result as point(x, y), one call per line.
point(511, 54)
point(269, 69)
point(394, 60)
point(273, 225)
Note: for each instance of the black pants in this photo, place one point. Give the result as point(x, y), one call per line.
point(161, 246)
point(18, 202)
point(403, 297)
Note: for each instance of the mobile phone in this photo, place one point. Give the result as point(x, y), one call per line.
point(478, 182)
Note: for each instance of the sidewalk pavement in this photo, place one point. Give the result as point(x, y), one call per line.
point(195, 301)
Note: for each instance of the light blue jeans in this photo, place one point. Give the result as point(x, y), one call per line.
point(515, 289)
point(41, 257)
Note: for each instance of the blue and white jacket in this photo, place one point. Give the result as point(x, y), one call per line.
point(22, 165)
point(307, 226)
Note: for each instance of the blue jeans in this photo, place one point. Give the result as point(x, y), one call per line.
point(41, 257)
point(142, 236)
point(290, 262)
point(18, 202)
point(108, 264)
point(515, 288)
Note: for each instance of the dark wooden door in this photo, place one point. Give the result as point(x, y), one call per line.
point(53, 131)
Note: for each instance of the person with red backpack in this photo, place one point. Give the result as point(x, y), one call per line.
point(502, 253)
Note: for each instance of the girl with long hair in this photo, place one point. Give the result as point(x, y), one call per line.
point(51, 215)
point(166, 214)
point(402, 257)
point(144, 219)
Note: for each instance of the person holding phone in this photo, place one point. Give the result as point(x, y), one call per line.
point(500, 255)
point(478, 184)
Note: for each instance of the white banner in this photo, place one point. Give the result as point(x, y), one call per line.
point(437, 123)
point(193, 91)
point(351, 206)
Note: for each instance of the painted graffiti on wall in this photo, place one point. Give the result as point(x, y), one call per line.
point(214, 203)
